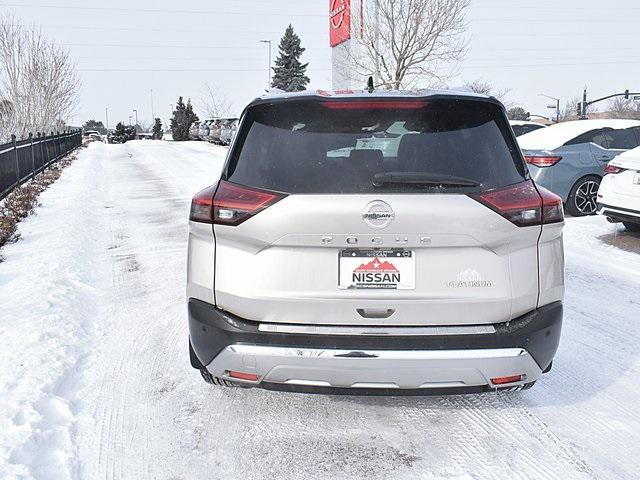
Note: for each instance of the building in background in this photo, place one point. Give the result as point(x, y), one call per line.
point(345, 21)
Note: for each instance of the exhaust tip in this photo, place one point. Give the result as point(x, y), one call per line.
point(612, 220)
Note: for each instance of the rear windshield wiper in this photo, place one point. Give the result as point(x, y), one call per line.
point(419, 178)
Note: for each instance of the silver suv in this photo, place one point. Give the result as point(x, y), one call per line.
point(385, 242)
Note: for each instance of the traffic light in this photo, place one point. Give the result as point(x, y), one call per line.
point(579, 108)
point(626, 94)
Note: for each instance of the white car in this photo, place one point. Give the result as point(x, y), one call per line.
point(322, 260)
point(619, 193)
point(521, 127)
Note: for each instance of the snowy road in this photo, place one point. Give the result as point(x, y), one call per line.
point(95, 382)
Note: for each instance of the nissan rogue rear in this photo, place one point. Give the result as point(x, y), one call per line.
point(387, 242)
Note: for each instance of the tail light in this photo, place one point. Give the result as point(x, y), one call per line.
point(542, 161)
point(523, 205)
point(231, 205)
point(612, 169)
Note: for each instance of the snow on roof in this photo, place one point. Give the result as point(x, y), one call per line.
point(276, 94)
point(629, 159)
point(557, 135)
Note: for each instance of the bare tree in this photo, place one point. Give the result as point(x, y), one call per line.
point(38, 81)
point(619, 107)
point(403, 43)
point(214, 103)
point(570, 110)
point(487, 88)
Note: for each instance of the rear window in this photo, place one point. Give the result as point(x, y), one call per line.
point(520, 130)
point(307, 147)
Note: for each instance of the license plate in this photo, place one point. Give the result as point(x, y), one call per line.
point(393, 269)
point(636, 178)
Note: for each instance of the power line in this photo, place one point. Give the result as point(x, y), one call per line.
point(156, 10)
point(177, 30)
point(193, 59)
point(132, 45)
point(554, 8)
point(185, 69)
point(538, 34)
point(552, 64)
point(555, 20)
point(587, 49)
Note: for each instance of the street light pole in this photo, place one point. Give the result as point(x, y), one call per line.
point(268, 42)
point(153, 115)
point(136, 112)
point(106, 114)
point(557, 105)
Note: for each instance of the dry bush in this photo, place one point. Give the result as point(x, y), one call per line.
point(21, 203)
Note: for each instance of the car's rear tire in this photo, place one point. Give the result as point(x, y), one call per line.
point(583, 197)
point(632, 227)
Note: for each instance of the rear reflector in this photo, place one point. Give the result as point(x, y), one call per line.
point(522, 205)
point(252, 377)
point(231, 205)
point(552, 208)
point(376, 105)
point(504, 380)
point(542, 160)
point(612, 169)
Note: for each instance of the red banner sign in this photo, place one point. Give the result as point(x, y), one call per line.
point(339, 21)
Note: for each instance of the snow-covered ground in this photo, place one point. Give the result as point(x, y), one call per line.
point(95, 381)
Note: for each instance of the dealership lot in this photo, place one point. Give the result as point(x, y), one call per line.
point(108, 263)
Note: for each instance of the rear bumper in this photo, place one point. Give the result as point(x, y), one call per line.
point(398, 363)
point(619, 213)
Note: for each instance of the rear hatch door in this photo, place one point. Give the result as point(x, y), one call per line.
point(366, 213)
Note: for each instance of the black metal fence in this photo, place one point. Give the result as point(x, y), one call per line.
point(22, 160)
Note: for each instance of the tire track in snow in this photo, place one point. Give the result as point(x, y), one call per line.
point(138, 375)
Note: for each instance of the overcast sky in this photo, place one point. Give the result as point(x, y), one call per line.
point(125, 48)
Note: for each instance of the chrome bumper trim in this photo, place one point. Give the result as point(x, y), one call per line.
point(403, 369)
point(375, 331)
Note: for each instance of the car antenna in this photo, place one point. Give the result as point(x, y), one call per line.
point(370, 85)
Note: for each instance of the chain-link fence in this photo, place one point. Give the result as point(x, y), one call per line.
point(22, 160)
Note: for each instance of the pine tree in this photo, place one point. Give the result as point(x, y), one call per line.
point(289, 73)
point(157, 129)
point(119, 135)
point(183, 118)
point(94, 125)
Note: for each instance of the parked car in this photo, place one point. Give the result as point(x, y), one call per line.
point(433, 267)
point(569, 158)
point(228, 131)
point(520, 127)
point(91, 136)
point(194, 131)
point(619, 193)
point(215, 131)
point(203, 131)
